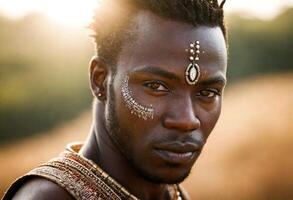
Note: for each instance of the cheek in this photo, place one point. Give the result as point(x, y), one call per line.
point(132, 131)
point(142, 111)
point(137, 128)
point(209, 117)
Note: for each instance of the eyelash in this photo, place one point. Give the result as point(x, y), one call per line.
point(212, 90)
point(215, 91)
point(149, 85)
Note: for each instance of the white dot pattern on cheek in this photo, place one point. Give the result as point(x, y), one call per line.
point(135, 108)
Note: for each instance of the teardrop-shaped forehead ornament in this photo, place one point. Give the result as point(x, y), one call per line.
point(192, 72)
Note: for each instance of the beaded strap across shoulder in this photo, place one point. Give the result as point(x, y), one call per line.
point(81, 177)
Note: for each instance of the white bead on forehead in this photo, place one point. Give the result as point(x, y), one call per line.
point(192, 72)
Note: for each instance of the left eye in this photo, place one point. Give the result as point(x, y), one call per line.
point(209, 93)
point(156, 86)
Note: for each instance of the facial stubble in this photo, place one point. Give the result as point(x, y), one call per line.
point(121, 141)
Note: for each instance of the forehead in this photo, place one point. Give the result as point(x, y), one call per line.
point(163, 43)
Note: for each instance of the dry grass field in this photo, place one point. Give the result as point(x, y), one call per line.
point(248, 156)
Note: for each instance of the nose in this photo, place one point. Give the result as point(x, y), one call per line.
point(181, 116)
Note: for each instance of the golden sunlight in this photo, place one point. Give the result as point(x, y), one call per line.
point(79, 12)
point(263, 9)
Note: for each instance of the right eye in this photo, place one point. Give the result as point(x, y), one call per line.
point(156, 86)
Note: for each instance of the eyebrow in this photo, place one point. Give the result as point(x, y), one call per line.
point(214, 80)
point(169, 75)
point(157, 71)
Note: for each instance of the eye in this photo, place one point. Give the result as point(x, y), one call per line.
point(156, 86)
point(209, 93)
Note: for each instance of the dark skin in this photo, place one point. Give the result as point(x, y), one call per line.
point(184, 115)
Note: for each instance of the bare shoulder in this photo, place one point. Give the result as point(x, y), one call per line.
point(41, 189)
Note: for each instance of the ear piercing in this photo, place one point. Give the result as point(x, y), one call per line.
point(192, 72)
point(135, 108)
point(99, 94)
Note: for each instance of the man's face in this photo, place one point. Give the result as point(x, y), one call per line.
point(164, 149)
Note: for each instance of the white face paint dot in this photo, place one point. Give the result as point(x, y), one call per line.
point(135, 108)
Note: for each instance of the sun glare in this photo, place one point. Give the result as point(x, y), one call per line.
point(79, 12)
point(70, 12)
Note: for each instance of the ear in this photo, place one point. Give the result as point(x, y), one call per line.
point(98, 78)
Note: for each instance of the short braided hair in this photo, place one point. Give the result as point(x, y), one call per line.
point(113, 19)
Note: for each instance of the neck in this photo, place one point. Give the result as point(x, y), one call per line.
point(100, 149)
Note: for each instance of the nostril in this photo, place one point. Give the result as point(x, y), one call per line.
point(182, 123)
point(181, 114)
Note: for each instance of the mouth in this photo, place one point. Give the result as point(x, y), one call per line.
point(178, 153)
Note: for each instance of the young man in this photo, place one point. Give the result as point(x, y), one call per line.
point(158, 80)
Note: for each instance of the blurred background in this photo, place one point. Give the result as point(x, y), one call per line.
point(45, 99)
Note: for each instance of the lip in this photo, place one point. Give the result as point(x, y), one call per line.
point(175, 158)
point(177, 153)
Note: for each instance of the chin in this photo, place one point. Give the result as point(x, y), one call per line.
point(170, 174)
point(162, 172)
point(168, 178)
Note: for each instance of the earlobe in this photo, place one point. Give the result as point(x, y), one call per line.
point(98, 74)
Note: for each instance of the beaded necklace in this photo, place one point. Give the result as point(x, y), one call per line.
point(84, 179)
